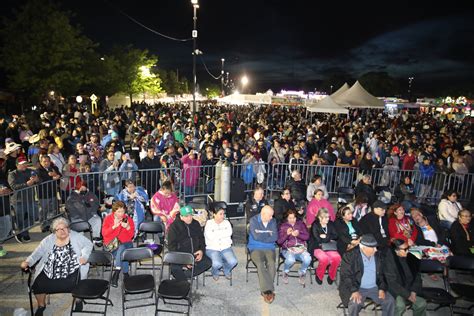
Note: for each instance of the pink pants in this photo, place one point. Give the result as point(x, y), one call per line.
point(325, 258)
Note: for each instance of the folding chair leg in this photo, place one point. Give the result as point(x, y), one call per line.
point(72, 306)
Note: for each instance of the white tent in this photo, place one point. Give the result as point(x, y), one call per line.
point(341, 90)
point(358, 97)
point(326, 105)
point(241, 99)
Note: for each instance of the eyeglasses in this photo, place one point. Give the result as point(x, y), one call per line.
point(61, 229)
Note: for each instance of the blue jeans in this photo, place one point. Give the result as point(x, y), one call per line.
point(118, 256)
point(224, 259)
point(188, 193)
point(291, 258)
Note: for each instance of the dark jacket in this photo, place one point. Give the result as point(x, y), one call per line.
point(47, 190)
point(366, 189)
point(352, 269)
point(317, 230)
point(253, 207)
point(186, 238)
point(82, 206)
point(369, 224)
point(402, 274)
point(17, 180)
point(459, 243)
point(344, 238)
point(420, 238)
point(280, 207)
point(297, 189)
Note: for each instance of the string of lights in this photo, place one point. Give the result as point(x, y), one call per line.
point(207, 70)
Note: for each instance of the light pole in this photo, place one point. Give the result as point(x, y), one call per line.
point(410, 80)
point(222, 77)
point(244, 81)
point(194, 35)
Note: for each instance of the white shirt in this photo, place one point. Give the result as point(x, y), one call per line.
point(448, 211)
point(218, 236)
point(429, 234)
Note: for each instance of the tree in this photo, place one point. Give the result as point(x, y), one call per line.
point(42, 51)
point(136, 70)
point(211, 90)
point(171, 83)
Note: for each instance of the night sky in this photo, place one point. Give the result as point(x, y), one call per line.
point(294, 44)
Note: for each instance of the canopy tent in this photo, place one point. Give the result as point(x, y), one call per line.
point(341, 90)
point(326, 105)
point(358, 97)
point(241, 99)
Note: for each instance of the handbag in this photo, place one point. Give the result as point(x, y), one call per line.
point(329, 246)
point(112, 245)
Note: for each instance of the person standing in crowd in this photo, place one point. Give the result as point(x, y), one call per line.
point(118, 230)
point(362, 276)
point(292, 238)
point(164, 204)
point(83, 205)
point(48, 175)
point(191, 170)
point(70, 176)
point(376, 223)
point(427, 173)
point(324, 236)
point(5, 218)
point(185, 235)
point(95, 150)
point(62, 260)
point(254, 204)
point(403, 278)
point(149, 171)
point(54, 153)
point(135, 199)
point(128, 168)
point(448, 209)
point(218, 237)
point(462, 234)
point(25, 209)
point(365, 187)
point(263, 234)
point(297, 187)
point(110, 176)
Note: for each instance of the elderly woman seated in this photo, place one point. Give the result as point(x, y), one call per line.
point(62, 260)
point(462, 234)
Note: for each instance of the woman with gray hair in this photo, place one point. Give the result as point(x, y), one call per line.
point(62, 260)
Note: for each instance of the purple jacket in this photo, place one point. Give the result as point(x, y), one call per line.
point(286, 241)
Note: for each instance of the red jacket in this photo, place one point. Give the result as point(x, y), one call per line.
point(123, 234)
point(409, 162)
point(396, 229)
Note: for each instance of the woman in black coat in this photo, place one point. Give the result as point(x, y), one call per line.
point(283, 204)
point(347, 230)
point(462, 234)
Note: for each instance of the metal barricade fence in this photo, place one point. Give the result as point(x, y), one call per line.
point(462, 184)
point(27, 207)
point(110, 183)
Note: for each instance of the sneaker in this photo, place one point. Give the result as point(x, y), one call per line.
point(3, 253)
point(302, 279)
point(330, 281)
point(318, 280)
point(285, 278)
point(115, 277)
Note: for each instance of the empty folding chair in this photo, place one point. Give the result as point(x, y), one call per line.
point(155, 229)
point(464, 291)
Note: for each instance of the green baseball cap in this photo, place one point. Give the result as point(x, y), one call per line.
point(186, 210)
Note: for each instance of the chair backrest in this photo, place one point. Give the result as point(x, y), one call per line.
point(219, 205)
point(178, 258)
point(135, 254)
point(100, 257)
point(80, 227)
point(200, 199)
point(346, 190)
point(431, 266)
point(461, 263)
point(151, 227)
point(198, 205)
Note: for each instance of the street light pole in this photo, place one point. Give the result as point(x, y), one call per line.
point(194, 35)
point(222, 77)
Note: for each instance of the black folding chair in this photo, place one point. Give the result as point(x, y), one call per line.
point(95, 289)
point(175, 290)
point(138, 283)
point(464, 291)
point(155, 229)
point(81, 227)
point(250, 266)
point(435, 295)
point(292, 273)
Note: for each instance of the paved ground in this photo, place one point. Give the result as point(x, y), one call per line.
point(216, 298)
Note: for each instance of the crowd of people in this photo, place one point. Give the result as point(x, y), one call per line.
point(117, 144)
